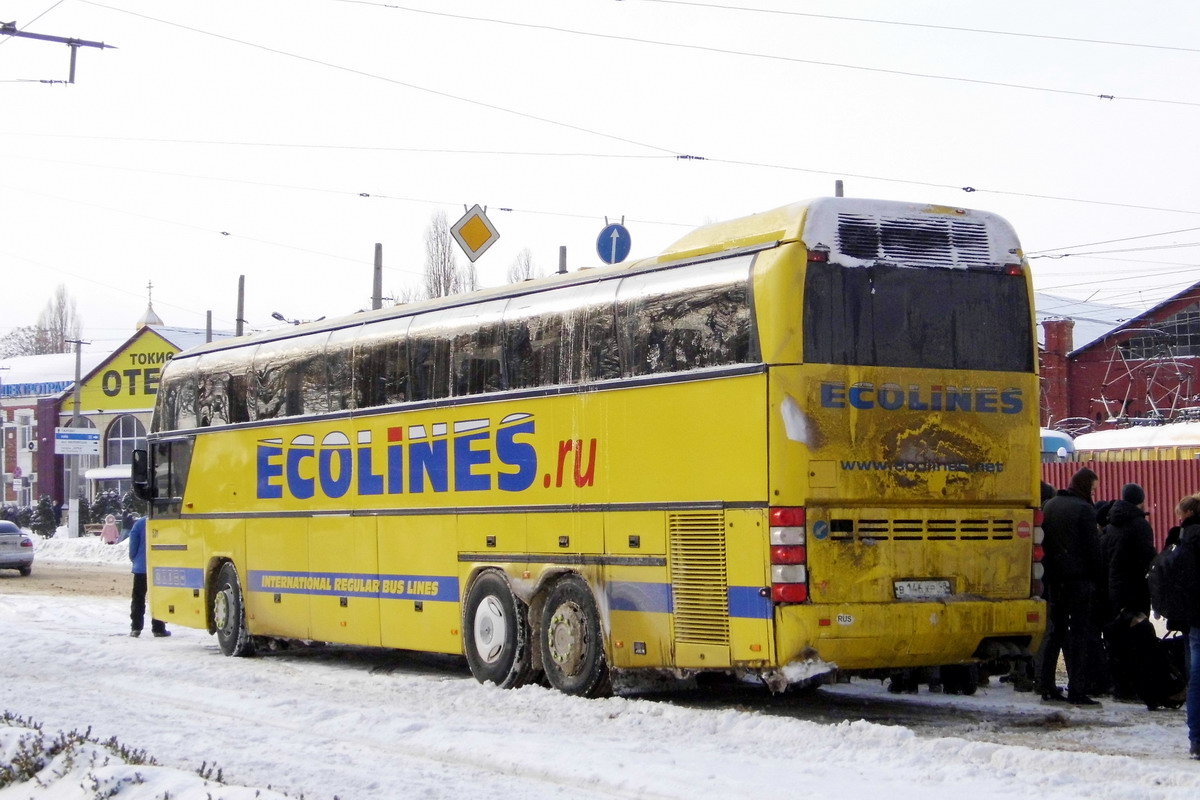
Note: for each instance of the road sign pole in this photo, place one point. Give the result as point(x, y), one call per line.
point(73, 527)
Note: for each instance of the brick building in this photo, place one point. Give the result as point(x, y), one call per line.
point(1104, 368)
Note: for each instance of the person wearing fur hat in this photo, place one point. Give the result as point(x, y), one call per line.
point(1072, 569)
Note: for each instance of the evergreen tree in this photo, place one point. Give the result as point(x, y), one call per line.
point(42, 522)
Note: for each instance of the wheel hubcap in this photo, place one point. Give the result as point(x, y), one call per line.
point(221, 610)
point(490, 629)
point(566, 637)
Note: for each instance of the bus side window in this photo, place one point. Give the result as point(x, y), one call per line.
point(268, 390)
point(238, 397)
point(213, 401)
point(593, 335)
point(313, 384)
point(185, 405)
point(477, 343)
point(380, 363)
point(535, 346)
point(172, 460)
point(518, 354)
point(166, 412)
point(339, 364)
point(429, 351)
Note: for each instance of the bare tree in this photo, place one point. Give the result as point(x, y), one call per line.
point(468, 278)
point(441, 266)
point(27, 341)
point(56, 326)
point(523, 268)
point(443, 275)
point(406, 294)
point(60, 320)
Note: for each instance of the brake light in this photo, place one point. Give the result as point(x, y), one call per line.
point(789, 592)
point(1037, 570)
point(26, 543)
point(1014, 269)
point(789, 555)
point(818, 256)
point(786, 516)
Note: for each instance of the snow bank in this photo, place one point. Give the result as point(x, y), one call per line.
point(82, 550)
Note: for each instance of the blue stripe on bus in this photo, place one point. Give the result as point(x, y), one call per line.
point(350, 584)
point(748, 602)
point(744, 601)
point(640, 596)
point(178, 577)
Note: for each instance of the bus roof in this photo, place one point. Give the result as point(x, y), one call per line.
point(728, 238)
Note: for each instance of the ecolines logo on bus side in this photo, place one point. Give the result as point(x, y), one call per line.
point(893, 397)
point(468, 456)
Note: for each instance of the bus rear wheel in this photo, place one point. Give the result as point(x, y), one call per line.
point(229, 614)
point(496, 633)
point(572, 644)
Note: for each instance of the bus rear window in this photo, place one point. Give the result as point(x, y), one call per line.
point(890, 316)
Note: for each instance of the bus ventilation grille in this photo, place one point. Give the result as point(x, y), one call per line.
point(921, 529)
point(919, 242)
point(701, 599)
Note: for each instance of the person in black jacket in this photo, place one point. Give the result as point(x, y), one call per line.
point(1126, 550)
point(1072, 569)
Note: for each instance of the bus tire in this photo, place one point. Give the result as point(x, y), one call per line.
point(572, 643)
point(229, 614)
point(496, 633)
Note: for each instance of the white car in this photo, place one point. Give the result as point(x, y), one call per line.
point(16, 548)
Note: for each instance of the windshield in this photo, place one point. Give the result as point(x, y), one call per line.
point(892, 316)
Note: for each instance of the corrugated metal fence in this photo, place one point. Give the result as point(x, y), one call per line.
point(1164, 481)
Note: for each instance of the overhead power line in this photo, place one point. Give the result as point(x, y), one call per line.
point(926, 25)
point(789, 59)
point(1039, 253)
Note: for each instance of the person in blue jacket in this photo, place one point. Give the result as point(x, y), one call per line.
point(137, 608)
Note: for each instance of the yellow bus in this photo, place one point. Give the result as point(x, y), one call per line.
point(800, 441)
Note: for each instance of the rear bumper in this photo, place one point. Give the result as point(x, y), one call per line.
point(917, 634)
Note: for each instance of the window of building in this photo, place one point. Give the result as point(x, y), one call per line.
point(1178, 335)
point(125, 434)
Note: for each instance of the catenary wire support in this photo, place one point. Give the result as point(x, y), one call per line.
point(10, 29)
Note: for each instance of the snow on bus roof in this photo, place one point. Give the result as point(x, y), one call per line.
point(1173, 434)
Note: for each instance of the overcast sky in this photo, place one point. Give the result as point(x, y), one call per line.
point(282, 140)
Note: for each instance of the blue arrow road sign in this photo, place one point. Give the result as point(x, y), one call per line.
point(613, 244)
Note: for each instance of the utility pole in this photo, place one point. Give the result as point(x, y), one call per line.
point(241, 303)
point(73, 528)
point(377, 282)
point(10, 29)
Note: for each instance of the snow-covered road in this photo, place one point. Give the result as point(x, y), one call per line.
point(357, 725)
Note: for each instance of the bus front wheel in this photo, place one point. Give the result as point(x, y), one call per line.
point(229, 614)
point(571, 641)
point(496, 633)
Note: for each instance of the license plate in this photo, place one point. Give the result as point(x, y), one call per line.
point(921, 590)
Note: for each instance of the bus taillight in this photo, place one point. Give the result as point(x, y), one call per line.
point(789, 555)
point(786, 517)
point(1039, 553)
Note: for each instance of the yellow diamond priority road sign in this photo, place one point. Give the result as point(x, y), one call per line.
point(474, 233)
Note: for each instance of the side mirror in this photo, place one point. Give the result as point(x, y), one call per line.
point(139, 472)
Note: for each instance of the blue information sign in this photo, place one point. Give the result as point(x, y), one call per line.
point(613, 244)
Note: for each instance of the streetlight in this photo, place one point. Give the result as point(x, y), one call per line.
point(282, 318)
